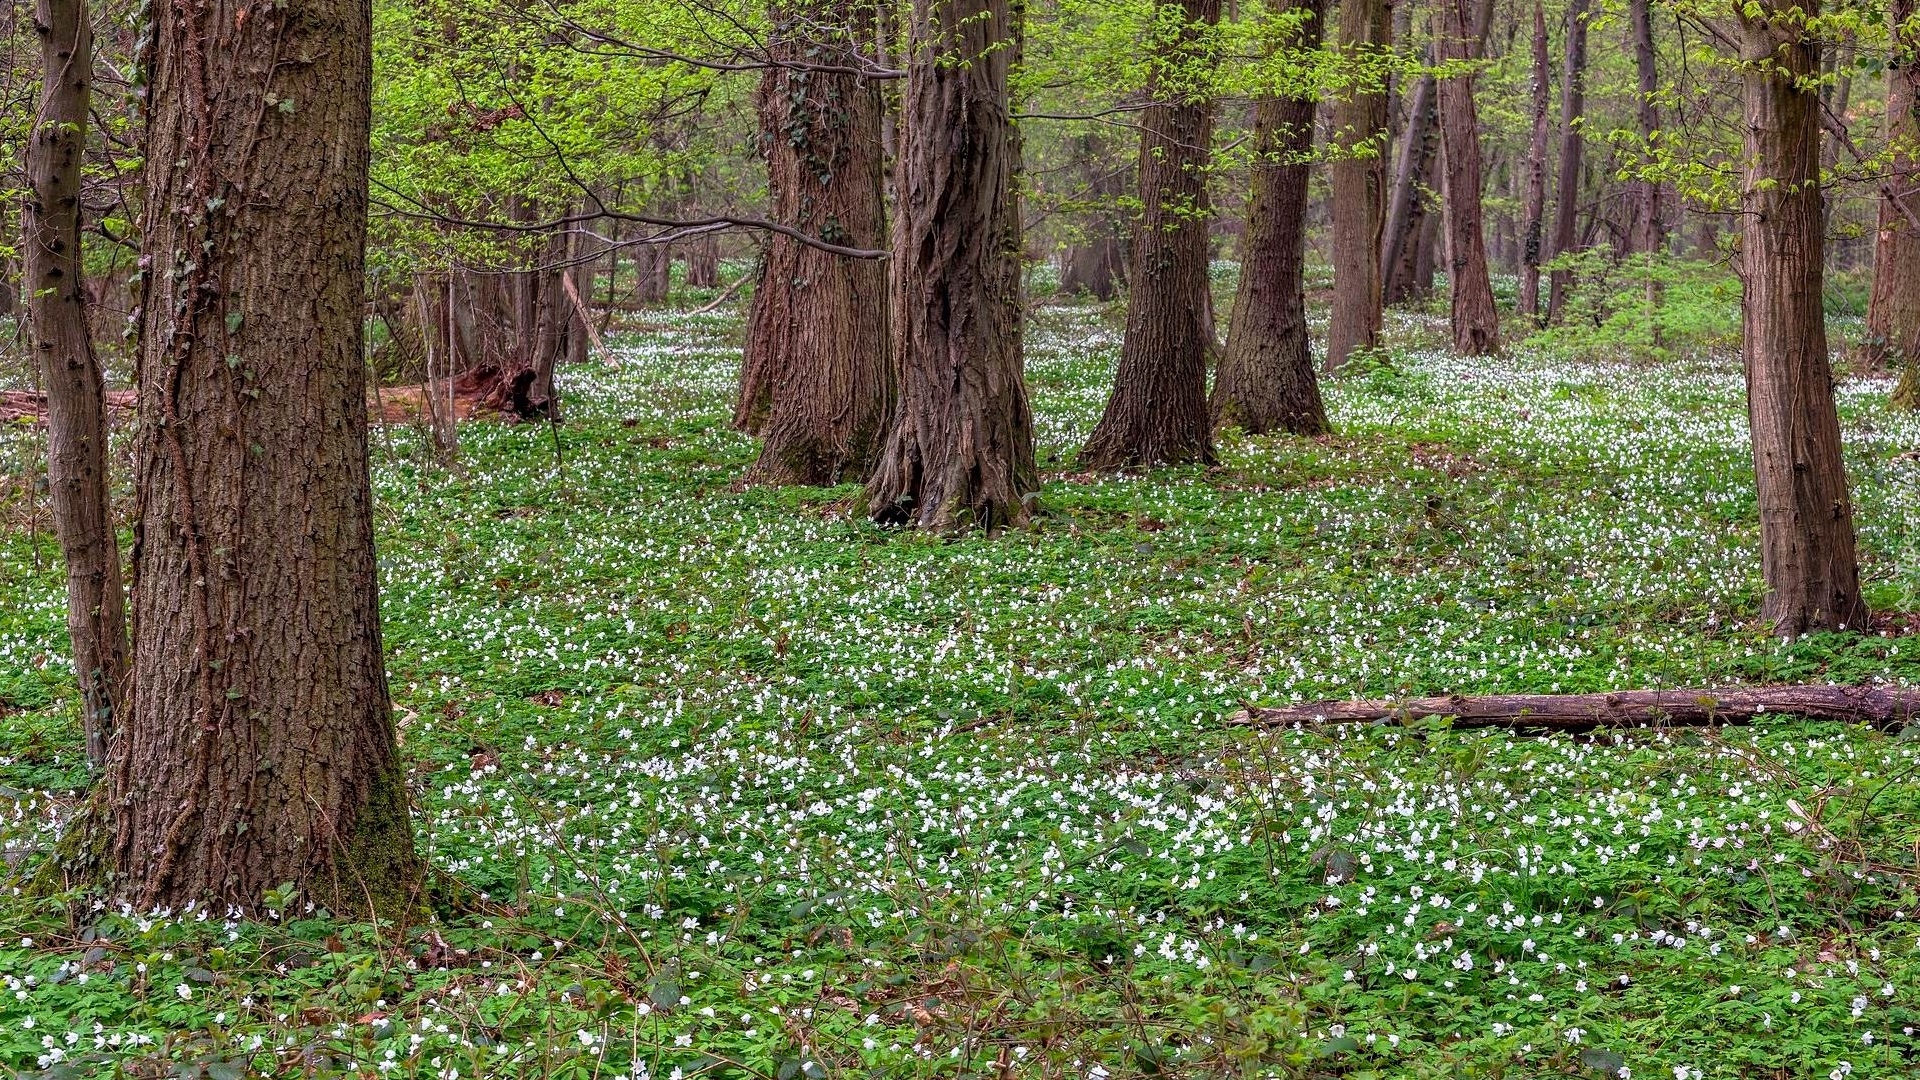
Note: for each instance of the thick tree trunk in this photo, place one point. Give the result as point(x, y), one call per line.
point(258, 747)
point(76, 395)
point(1879, 706)
point(1266, 381)
point(1358, 173)
point(1647, 235)
point(1157, 412)
point(960, 453)
point(1406, 215)
point(1806, 519)
point(1567, 198)
point(1534, 206)
point(1893, 312)
point(1475, 322)
point(1425, 257)
point(817, 381)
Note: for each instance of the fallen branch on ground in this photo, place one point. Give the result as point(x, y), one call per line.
point(1882, 707)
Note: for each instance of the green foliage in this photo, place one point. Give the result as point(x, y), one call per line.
point(1643, 307)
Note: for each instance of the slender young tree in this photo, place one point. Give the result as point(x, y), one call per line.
point(76, 397)
point(1358, 173)
point(1534, 202)
point(1647, 233)
point(1893, 311)
point(1806, 519)
point(960, 452)
point(1266, 381)
point(1475, 321)
point(1566, 208)
point(1157, 412)
point(258, 744)
point(817, 381)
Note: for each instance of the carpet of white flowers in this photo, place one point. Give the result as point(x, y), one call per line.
point(731, 783)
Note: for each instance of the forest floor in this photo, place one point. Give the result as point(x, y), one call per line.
point(754, 788)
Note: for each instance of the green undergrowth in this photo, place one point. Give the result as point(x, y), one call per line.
point(737, 784)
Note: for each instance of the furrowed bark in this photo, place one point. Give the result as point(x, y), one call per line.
point(1535, 200)
point(1358, 173)
point(1893, 311)
point(1572, 143)
point(1475, 322)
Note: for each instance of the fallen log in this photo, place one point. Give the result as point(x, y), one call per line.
point(1881, 707)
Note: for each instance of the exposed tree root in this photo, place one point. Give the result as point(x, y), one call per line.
point(1881, 707)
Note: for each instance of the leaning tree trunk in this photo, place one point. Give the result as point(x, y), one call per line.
point(960, 454)
point(1567, 199)
point(1358, 172)
point(1407, 212)
point(1893, 312)
point(817, 381)
point(1266, 380)
point(1475, 322)
point(258, 747)
point(1157, 412)
point(1535, 200)
point(1806, 519)
point(76, 403)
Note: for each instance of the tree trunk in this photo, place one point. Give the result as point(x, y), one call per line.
point(1567, 197)
point(258, 747)
point(703, 262)
point(76, 395)
point(1647, 235)
point(1893, 312)
point(1358, 173)
point(1157, 412)
point(652, 273)
point(1096, 263)
point(1881, 707)
point(1266, 380)
point(960, 454)
point(1806, 520)
point(817, 381)
point(1476, 324)
point(1424, 257)
point(1408, 211)
point(1535, 204)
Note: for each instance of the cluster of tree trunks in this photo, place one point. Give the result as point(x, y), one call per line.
point(1881, 707)
point(1358, 174)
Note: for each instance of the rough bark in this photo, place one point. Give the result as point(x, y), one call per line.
point(1358, 174)
point(1647, 234)
point(75, 393)
point(960, 452)
point(1566, 206)
point(258, 747)
point(1893, 311)
point(817, 381)
point(1157, 411)
point(1882, 707)
point(1265, 380)
point(1406, 215)
point(1474, 320)
point(1806, 519)
point(1534, 205)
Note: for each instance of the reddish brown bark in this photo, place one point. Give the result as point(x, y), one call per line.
point(1475, 322)
point(1157, 412)
point(1407, 212)
point(1806, 519)
point(1893, 311)
point(1096, 262)
point(75, 393)
point(1534, 206)
point(1358, 173)
point(960, 452)
point(1572, 147)
point(258, 746)
point(1266, 381)
point(817, 381)
point(1647, 234)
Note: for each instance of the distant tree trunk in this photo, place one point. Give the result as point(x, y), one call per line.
point(1425, 256)
point(1475, 322)
point(258, 744)
point(1567, 198)
point(1358, 172)
point(1266, 380)
point(1535, 202)
point(1408, 210)
point(817, 381)
point(703, 262)
point(652, 273)
point(76, 402)
point(1096, 263)
point(1893, 312)
point(1806, 519)
point(960, 454)
point(1648, 232)
point(1157, 412)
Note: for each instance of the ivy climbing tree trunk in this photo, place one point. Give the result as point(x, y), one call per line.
point(1806, 519)
point(1572, 143)
point(1893, 311)
point(1534, 208)
point(258, 745)
point(1157, 412)
point(1475, 322)
point(960, 451)
point(1266, 381)
point(817, 381)
point(70, 371)
point(1358, 173)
